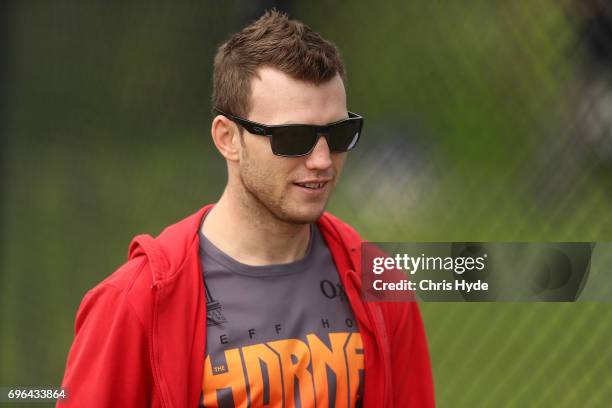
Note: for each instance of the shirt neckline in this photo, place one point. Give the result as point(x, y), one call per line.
point(212, 252)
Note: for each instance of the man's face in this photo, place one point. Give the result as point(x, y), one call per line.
point(284, 185)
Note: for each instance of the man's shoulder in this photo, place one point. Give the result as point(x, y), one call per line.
point(129, 285)
point(126, 276)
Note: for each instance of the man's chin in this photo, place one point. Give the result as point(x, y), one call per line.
point(302, 216)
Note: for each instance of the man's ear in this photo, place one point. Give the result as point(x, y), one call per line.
point(226, 137)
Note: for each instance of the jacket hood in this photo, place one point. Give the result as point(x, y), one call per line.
point(167, 252)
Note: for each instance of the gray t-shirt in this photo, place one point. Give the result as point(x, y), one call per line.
point(279, 335)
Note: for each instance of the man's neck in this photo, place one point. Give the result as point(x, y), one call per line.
point(253, 236)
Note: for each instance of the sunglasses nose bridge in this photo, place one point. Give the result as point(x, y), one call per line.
point(324, 135)
point(319, 157)
point(320, 135)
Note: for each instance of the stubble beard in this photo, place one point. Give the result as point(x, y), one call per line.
point(259, 198)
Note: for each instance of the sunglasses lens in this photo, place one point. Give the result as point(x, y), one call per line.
point(300, 140)
point(344, 136)
point(293, 140)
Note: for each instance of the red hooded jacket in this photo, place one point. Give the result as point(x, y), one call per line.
point(140, 334)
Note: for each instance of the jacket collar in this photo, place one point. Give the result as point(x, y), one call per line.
point(167, 252)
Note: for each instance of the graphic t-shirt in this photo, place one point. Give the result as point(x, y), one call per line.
point(279, 335)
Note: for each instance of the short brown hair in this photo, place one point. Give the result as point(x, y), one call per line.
point(275, 41)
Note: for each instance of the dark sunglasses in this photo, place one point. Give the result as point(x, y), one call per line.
point(299, 140)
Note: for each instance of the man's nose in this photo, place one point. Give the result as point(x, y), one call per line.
point(320, 157)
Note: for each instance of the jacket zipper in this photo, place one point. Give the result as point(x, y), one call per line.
point(379, 331)
point(157, 378)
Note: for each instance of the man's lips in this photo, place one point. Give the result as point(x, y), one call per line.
point(313, 184)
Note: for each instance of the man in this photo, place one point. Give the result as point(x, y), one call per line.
point(255, 301)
